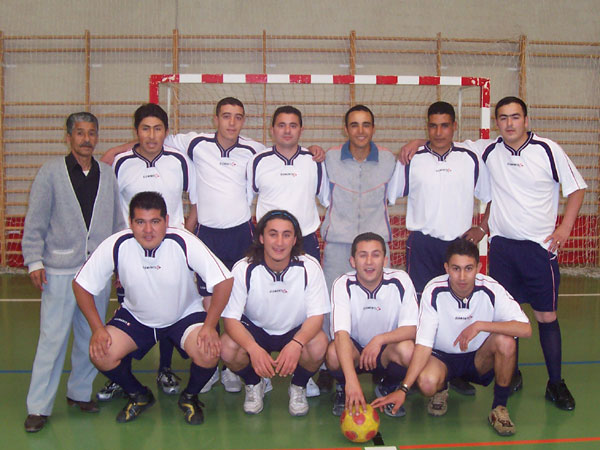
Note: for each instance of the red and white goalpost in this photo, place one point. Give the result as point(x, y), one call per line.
point(398, 102)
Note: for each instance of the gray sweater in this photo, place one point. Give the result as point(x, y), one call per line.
point(55, 235)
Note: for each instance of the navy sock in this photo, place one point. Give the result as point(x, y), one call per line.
point(501, 394)
point(301, 376)
point(516, 356)
point(394, 374)
point(551, 342)
point(339, 376)
point(248, 375)
point(123, 377)
point(166, 353)
point(199, 376)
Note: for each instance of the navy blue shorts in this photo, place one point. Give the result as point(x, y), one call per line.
point(145, 337)
point(270, 342)
point(425, 258)
point(527, 270)
point(310, 245)
point(463, 365)
point(228, 244)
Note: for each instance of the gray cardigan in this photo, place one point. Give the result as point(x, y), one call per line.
point(55, 235)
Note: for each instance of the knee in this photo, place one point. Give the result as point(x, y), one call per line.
point(403, 352)
point(204, 359)
point(317, 347)
point(105, 363)
point(506, 345)
point(428, 383)
point(331, 359)
point(229, 348)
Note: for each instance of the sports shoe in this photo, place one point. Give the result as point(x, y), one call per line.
point(109, 391)
point(500, 421)
point(516, 382)
point(168, 381)
point(209, 384)
point(298, 405)
point(90, 406)
point(559, 394)
point(463, 387)
point(135, 406)
point(382, 391)
point(253, 403)
point(191, 407)
point(35, 422)
point(230, 380)
point(438, 404)
point(339, 400)
point(268, 385)
point(312, 390)
point(324, 381)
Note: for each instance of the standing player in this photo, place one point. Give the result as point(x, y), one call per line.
point(374, 318)
point(467, 325)
point(526, 172)
point(73, 207)
point(277, 304)
point(150, 166)
point(156, 266)
point(287, 177)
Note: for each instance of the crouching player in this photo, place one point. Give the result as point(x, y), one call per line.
point(374, 318)
point(277, 304)
point(156, 266)
point(467, 325)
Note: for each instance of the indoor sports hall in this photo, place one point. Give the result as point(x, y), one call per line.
point(397, 57)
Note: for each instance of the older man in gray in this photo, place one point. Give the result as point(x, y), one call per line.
point(73, 207)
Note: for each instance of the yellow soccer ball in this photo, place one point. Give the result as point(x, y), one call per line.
point(361, 427)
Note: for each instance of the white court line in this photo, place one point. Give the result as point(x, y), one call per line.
point(114, 299)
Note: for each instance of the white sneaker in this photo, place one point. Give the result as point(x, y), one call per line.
point(209, 384)
point(253, 403)
point(268, 385)
point(231, 381)
point(298, 404)
point(312, 390)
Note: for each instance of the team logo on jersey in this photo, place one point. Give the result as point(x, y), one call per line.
point(156, 267)
point(228, 163)
point(282, 290)
point(510, 164)
point(152, 175)
point(374, 308)
point(446, 169)
point(469, 317)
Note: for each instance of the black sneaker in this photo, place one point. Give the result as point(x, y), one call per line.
point(325, 381)
point(560, 395)
point(463, 387)
point(135, 406)
point(339, 401)
point(168, 381)
point(109, 391)
point(192, 408)
point(516, 382)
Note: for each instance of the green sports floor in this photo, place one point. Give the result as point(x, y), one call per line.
point(540, 425)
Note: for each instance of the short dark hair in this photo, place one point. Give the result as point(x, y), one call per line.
point(507, 101)
point(228, 101)
point(287, 109)
point(461, 246)
point(368, 236)
point(441, 108)
point(147, 200)
point(359, 108)
point(150, 110)
point(82, 116)
point(256, 252)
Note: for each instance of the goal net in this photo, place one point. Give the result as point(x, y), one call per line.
point(399, 104)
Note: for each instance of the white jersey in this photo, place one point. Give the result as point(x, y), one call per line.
point(440, 190)
point(525, 186)
point(365, 314)
point(170, 173)
point(159, 284)
point(278, 302)
point(221, 176)
point(443, 315)
point(289, 184)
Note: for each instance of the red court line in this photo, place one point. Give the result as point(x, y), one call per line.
point(490, 444)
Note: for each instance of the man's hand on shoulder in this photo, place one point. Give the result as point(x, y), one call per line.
point(317, 152)
point(407, 151)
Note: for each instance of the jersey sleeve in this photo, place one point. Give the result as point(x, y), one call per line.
point(98, 269)
point(409, 309)
point(323, 190)
point(397, 184)
point(250, 191)
point(191, 176)
point(204, 262)
point(181, 142)
point(317, 298)
point(570, 178)
point(341, 317)
point(506, 308)
point(239, 293)
point(428, 320)
point(483, 190)
point(477, 146)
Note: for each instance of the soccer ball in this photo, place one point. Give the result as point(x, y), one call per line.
point(361, 427)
